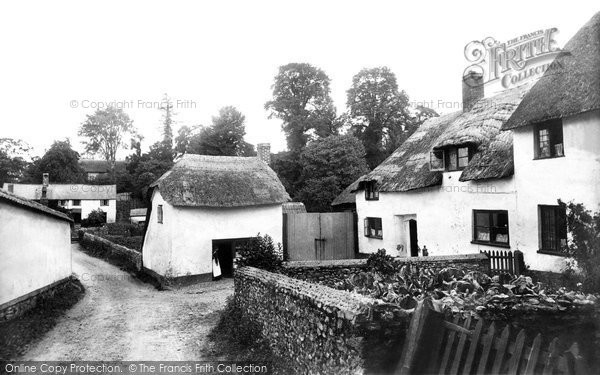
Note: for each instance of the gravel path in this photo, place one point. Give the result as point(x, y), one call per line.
point(121, 318)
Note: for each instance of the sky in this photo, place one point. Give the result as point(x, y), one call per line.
point(61, 60)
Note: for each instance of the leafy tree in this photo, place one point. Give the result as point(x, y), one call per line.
point(166, 144)
point(301, 99)
point(379, 112)
point(106, 131)
point(583, 244)
point(289, 170)
point(61, 162)
point(225, 137)
point(12, 162)
point(328, 166)
point(182, 141)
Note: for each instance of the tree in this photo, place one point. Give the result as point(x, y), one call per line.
point(301, 99)
point(167, 128)
point(225, 137)
point(61, 162)
point(106, 131)
point(329, 165)
point(12, 162)
point(379, 112)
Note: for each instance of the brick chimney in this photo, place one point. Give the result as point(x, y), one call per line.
point(472, 89)
point(45, 183)
point(263, 152)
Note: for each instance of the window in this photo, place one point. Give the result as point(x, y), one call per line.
point(548, 138)
point(11, 188)
point(373, 227)
point(159, 214)
point(103, 202)
point(450, 159)
point(371, 192)
point(76, 202)
point(553, 229)
point(490, 227)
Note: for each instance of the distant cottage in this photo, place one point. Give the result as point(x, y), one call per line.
point(489, 177)
point(207, 204)
point(79, 199)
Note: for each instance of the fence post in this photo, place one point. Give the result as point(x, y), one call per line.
point(423, 331)
point(519, 262)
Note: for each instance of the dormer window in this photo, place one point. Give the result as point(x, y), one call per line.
point(371, 192)
point(450, 159)
point(548, 140)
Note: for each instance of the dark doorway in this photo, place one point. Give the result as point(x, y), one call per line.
point(414, 241)
point(225, 257)
point(227, 250)
point(76, 217)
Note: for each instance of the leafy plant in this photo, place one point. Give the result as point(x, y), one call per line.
point(381, 263)
point(583, 245)
point(261, 252)
point(96, 218)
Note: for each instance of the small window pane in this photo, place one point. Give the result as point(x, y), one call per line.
point(482, 234)
point(482, 219)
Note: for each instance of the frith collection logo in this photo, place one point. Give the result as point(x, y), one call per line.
point(516, 61)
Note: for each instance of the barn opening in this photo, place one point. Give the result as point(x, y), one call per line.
point(227, 250)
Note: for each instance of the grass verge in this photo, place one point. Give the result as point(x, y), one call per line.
point(17, 335)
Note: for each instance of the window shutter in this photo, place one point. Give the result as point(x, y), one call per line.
point(366, 227)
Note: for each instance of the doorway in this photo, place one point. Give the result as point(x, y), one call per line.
point(413, 238)
point(226, 252)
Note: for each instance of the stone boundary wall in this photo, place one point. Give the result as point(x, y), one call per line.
point(328, 272)
point(319, 329)
point(21, 305)
point(106, 247)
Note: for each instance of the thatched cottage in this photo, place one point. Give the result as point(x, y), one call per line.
point(489, 177)
point(210, 203)
point(35, 248)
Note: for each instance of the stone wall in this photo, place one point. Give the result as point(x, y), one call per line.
point(21, 305)
point(320, 329)
point(104, 247)
point(328, 272)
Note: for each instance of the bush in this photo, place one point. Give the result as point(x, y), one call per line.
point(583, 245)
point(381, 263)
point(260, 252)
point(124, 229)
point(96, 218)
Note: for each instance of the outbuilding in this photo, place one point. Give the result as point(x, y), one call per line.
point(210, 204)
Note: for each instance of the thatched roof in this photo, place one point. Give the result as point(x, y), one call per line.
point(408, 167)
point(571, 87)
point(32, 206)
point(294, 208)
point(220, 181)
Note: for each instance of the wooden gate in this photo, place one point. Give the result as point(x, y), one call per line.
point(468, 346)
point(319, 236)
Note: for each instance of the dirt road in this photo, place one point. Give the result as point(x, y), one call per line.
point(121, 318)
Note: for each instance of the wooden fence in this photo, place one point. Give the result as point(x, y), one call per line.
point(505, 261)
point(436, 346)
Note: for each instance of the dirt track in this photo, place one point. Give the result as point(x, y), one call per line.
point(121, 318)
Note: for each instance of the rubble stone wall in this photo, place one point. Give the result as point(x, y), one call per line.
point(322, 330)
point(101, 245)
point(328, 272)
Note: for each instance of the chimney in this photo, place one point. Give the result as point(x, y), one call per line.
point(472, 89)
point(263, 151)
point(45, 183)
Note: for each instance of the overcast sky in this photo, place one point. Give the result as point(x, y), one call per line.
point(60, 59)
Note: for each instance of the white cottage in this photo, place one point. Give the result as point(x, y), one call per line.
point(483, 180)
point(35, 248)
point(79, 199)
point(207, 204)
